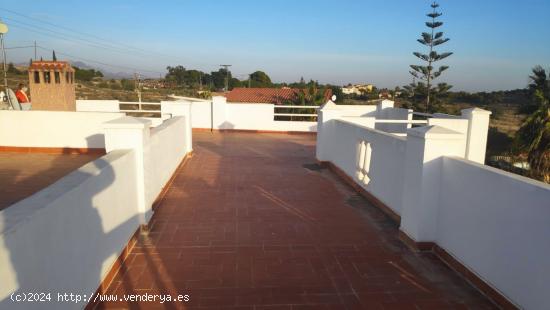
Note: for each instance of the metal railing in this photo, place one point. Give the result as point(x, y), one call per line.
point(309, 113)
point(400, 121)
point(141, 109)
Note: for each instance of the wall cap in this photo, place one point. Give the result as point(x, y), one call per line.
point(128, 122)
point(476, 111)
point(434, 132)
point(329, 105)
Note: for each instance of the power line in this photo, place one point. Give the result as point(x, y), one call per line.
point(61, 36)
point(71, 30)
point(18, 47)
point(99, 62)
point(98, 41)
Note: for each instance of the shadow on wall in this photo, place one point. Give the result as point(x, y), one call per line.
point(60, 247)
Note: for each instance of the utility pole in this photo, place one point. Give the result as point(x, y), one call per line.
point(3, 31)
point(35, 50)
point(137, 87)
point(226, 76)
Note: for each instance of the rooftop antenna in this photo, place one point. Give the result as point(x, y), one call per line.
point(226, 76)
point(8, 92)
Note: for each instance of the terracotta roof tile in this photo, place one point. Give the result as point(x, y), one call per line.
point(49, 65)
point(266, 95)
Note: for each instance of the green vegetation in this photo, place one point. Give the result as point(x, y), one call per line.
point(260, 79)
point(13, 70)
point(87, 74)
point(428, 73)
point(533, 138)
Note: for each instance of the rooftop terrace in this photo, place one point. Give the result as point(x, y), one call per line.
point(251, 221)
point(368, 207)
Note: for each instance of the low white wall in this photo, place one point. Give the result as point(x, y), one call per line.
point(242, 116)
point(253, 116)
point(498, 225)
point(66, 237)
point(97, 106)
point(384, 165)
point(53, 128)
point(201, 112)
point(163, 154)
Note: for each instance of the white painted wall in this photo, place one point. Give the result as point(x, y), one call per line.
point(98, 106)
point(384, 168)
point(66, 237)
point(242, 116)
point(498, 225)
point(163, 154)
point(219, 114)
point(53, 128)
point(493, 222)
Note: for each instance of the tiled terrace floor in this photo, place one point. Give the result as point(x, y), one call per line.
point(248, 224)
point(23, 174)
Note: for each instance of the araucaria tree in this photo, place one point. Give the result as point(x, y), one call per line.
point(431, 39)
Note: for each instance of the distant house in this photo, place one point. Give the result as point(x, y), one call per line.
point(266, 95)
point(357, 89)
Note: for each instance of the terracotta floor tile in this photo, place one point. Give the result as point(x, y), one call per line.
point(23, 174)
point(247, 225)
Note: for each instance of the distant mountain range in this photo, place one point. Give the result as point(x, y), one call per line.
point(83, 65)
point(106, 74)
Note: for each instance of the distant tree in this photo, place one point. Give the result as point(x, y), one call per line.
point(218, 78)
point(432, 39)
point(127, 84)
point(176, 74)
point(534, 135)
point(54, 58)
point(260, 79)
point(234, 83)
point(337, 91)
point(13, 70)
point(86, 74)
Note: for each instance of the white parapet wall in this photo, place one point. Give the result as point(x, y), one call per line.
point(66, 237)
point(164, 152)
point(53, 129)
point(498, 225)
point(98, 106)
point(492, 222)
point(376, 161)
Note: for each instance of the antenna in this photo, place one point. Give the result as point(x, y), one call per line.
point(227, 76)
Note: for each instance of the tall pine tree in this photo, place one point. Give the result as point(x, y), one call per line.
point(431, 40)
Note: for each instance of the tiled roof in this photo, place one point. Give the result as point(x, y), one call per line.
point(261, 95)
point(49, 65)
point(266, 95)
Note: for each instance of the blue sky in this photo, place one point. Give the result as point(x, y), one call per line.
point(496, 42)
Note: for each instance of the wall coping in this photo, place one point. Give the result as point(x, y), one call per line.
point(128, 122)
point(434, 133)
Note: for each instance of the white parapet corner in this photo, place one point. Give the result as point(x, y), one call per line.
point(426, 147)
point(478, 130)
point(127, 122)
point(180, 108)
point(132, 133)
